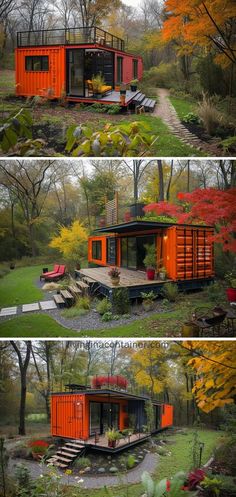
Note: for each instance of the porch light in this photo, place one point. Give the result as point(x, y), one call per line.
point(165, 237)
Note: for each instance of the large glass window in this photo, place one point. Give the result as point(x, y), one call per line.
point(97, 250)
point(111, 251)
point(36, 63)
point(133, 251)
point(103, 415)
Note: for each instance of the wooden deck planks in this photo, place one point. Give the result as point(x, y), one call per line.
point(128, 278)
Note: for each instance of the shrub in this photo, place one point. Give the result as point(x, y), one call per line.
point(104, 306)
point(82, 462)
point(165, 75)
point(225, 455)
point(215, 292)
point(121, 303)
point(83, 303)
point(170, 291)
point(108, 316)
point(130, 461)
point(74, 312)
point(23, 479)
point(209, 115)
point(191, 118)
point(113, 109)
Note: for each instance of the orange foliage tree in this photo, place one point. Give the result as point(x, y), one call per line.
point(210, 24)
point(214, 364)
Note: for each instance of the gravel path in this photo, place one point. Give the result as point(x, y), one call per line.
point(133, 476)
point(165, 110)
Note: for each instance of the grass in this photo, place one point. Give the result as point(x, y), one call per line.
point(34, 325)
point(167, 323)
point(182, 106)
point(179, 460)
point(166, 145)
point(18, 286)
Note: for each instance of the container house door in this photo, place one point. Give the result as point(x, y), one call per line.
point(75, 72)
point(111, 251)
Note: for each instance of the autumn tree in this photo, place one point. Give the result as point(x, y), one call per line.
point(214, 364)
point(71, 241)
point(149, 368)
point(208, 24)
point(211, 206)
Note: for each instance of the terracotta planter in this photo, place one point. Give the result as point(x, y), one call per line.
point(231, 294)
point(150, 274)
point(115, 281)
point(190, 330)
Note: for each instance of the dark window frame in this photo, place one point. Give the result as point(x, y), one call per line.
point(31, 59)
point(135, 69)
point(97, 252)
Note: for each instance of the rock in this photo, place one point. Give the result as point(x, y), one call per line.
point(140, 457)
point(101, 470)
point(113, 469)
point(86, 470)
point(109, 458)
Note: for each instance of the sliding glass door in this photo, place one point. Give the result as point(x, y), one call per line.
point(103, 415)
point(75, 72)
point(133, 251)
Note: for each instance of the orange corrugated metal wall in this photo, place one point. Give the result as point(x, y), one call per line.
point(167, 415)
point(70, 415)
point(31, 83)
point(188, 253)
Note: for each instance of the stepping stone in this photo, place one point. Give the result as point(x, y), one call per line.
point(8, 311)
point(30, 307)
point(47, 304)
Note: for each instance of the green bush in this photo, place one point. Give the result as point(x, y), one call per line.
point(225, 454)
point(170, 291)
point(82, 462)
point(83, 302)
point(130, 462)
point(215, 293)
point(166, 75)
point(191, 118)
point(108, 316)
point(104, 306)
point(102, 108)
point(120, 301)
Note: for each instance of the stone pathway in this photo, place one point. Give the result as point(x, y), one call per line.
point(149, 464)
point(165, 110)
point(44, 305)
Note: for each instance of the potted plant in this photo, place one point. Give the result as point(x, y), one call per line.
point(113, 436)
point(38, 449)
point(136, 209)
point(97, 82)
point(190, 328)
point(148, 299)
point(123, 89)
point(150, 261)
point(162, 273)
point(231, 289)
point(114, 274)
point(134, 85)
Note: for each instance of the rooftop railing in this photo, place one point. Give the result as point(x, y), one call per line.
point(70, 36)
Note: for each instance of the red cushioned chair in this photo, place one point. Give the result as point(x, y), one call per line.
point(48, 273)
point(57, 275)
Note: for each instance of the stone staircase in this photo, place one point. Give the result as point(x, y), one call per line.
point(140, 100)
point(66, 454)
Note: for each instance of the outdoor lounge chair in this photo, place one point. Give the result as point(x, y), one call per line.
point(103, 90)
point(48, 273)
point(57, 275)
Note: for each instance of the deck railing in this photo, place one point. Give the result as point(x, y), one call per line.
point(70, 36)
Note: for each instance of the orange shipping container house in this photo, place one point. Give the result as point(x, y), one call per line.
point(60, 63)
point(185, 251)
point(87, 413)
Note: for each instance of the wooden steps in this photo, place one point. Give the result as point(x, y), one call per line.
point(84, 287)
point(74, 290)
point(140, 100)
point(58, 299)
point(66, 454)
point(69, 299)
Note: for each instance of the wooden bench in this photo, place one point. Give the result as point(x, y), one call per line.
point(58, 299)
point(67, 297)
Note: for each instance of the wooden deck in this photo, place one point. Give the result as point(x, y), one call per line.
point(128, 277)
point(122, 444)
point(110, 98)
point(135, 281)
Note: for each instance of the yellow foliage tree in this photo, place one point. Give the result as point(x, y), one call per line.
point(214, 364)
point(148, 367)
point(71, 242)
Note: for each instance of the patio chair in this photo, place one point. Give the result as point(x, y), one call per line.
point(57, 275)
point(48, 273)
point(209, 322)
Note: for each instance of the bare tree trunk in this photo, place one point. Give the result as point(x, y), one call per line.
point(23, 365)
point(161, 181)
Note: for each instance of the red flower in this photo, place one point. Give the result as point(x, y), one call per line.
point(38, 443)
point(168, 485)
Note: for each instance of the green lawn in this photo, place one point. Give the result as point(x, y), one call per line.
point(180, 460)
point(161, 324)
point(182, 106)
point(166, 145)
point(19, 286)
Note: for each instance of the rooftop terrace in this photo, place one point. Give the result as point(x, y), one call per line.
point(70, 36)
